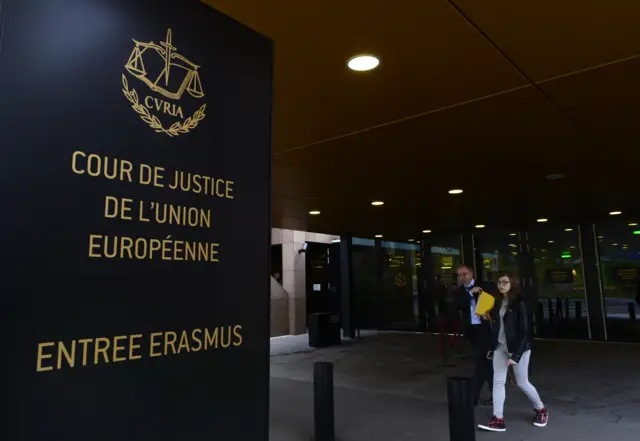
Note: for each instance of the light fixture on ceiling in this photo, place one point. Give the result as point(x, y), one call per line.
point(615, 213)
point(411, 240)
point(377, 203)
point(480, 226)
point(633, 224)
point(455, 191)
point(426, 231)
point(378, 236)
point(314, 212)
point(542, 220)
point(614, 244)
point(362, 63)
point(568, 229)
point(512, 234)
point(551, 241)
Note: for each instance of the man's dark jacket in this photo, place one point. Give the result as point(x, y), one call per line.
point(464, 302)
point(517, 327)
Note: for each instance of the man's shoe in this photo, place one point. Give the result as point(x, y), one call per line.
point(541, 418)
point(495, 425)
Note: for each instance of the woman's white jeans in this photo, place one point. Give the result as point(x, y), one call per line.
point(521, 371)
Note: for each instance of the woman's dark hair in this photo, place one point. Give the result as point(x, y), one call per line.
point(514, 289)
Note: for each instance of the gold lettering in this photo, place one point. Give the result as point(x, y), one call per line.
point(184, 342)
point(74, 162)
point(210, 339)
point(42, 356)
point(92, 245)
point(214, 251)
point(133, 347)
point(153, 344)
point(170, 340)
point(69, 356)
point(101, 350)
point(85, 351)
point(227, 343)
point(118, 348)
point(195, 335)
point(147, 101)
point(229, 190)
point(237, 335)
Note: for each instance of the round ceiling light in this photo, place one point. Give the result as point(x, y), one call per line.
point(377, 203)
point(362, 63)
point(314, 212)
point(455, 191)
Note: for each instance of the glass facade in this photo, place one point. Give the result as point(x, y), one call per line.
point(548, 259)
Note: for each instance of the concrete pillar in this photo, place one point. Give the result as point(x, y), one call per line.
point(294, 280)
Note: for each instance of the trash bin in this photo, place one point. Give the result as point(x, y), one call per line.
point(324, 329)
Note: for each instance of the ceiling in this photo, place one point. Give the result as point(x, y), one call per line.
point(487, 96)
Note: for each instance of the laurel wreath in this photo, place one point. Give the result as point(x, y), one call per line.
point(176, 129)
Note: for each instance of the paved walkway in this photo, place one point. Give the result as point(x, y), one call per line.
point(392, 386)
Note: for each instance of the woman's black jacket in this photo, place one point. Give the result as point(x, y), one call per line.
point(517, 327)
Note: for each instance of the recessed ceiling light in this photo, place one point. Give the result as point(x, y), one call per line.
point(614, 244)
point(633, 224)
point(455, 191)
point(480, 226)
point(314, 212)
point(512, 234)
point(542, 220)
point(568, 229)
point(378, 236)
point(410, 240)
point(363, 63)
point(377, 203)
point(426, 231)
point(615, 213)
point(551, 241)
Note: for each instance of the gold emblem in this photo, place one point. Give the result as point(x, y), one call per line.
point(400, 280)
point(177, 75)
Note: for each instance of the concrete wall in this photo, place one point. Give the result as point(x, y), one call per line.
point(293, 281)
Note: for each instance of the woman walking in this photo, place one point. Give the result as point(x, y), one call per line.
point(511, 343)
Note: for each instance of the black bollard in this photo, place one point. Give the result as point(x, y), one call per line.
point(462, 421)
point(324, 424)
point(632, 311)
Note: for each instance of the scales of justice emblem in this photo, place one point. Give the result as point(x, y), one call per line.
point(177, 75)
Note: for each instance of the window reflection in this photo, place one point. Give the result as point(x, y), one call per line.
point(561, 309)
point(619, 253)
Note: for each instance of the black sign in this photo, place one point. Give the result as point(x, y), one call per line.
point(135, 143)
point(560, 276)
point(628, 275)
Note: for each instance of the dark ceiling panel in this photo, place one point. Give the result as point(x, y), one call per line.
point(547, 38)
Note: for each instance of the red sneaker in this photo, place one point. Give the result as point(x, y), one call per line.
point(541, 418)
point(495, 425)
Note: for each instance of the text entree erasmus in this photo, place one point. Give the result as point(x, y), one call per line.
point(56, 355)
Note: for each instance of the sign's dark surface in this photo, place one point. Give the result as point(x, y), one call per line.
point(133, 309)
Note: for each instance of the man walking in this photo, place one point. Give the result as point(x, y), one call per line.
point(477, 330)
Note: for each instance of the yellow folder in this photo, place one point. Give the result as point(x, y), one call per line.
point(485, 303)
